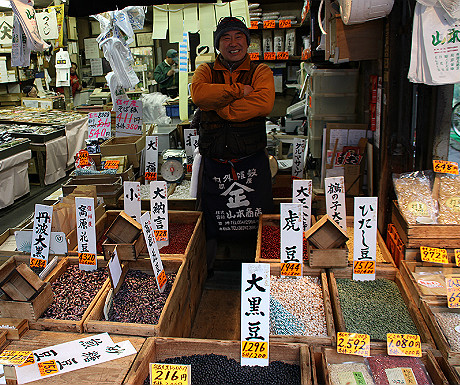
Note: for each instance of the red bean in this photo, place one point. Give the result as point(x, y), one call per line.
point(271, 243)
point(179, 237)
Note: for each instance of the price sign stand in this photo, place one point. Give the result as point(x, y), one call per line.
point(291, 225)
point(404, 345)
point(433, 254)
point(354, 343)
point(169, 374)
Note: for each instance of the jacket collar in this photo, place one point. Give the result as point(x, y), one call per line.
point(244, 66)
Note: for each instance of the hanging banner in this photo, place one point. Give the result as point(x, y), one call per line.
point(86, 233)
point(151, 158)
point(6, 29)
point(334, 189)
point(160, 22)
point(183, 78)
point(47, 25)
point(302, 193)
point(59, 10)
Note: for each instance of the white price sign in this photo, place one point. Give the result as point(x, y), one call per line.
point(291, 226)
point(99, 125)
point(302, 193)
point(86, 233)
point(334, 189)
point(41, 236)
point(132, 200)
point(159, 211)
point(128, 117)
point(300, 147)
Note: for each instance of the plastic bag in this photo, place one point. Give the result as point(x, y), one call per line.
point(416, 203)
point(153, 109)
point(446, 191)
point(348, 371)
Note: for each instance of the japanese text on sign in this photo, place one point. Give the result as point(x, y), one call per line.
point(445, 166)
point(300, 147)
point(86, 231)
point(41, 234)
point(302, 193)
point(354, 343)
point(159, 211)
point(291, 226)
point(269, 55)
point(255, 313)
point(99, 125)
point(433, 254)
point(190, 146)
point(404, 345)
point(128, 116)
point(151, 157)
point(132, 199)
point(453, 292)
point(335, 200)
point(168, 374)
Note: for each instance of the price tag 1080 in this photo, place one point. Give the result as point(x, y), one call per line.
point(453, 292)
point(404, 345)
point(445, 167)
point(292, 269)
point(354, 343)
point(433, 254)
point(168, 374)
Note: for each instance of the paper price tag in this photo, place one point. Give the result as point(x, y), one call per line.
point(150, 176)
point(285, 23)
point(282, 55)
point(445, 167)
point(254, 24)
point(354, 343)
point(457, 257)
point(269, 23)
point(433, 254)
point(14, 357)
point(363, 267)
point(36, 262)
point(110, 164)
point(269, 55)
point(162, 279)
point(167, 374)
point(189, 168)
point(254, 55)
point(83, 157)
point(404, 345)
point(48, 367)
point(161, 235)
point(87, 259)
point(453, 292)
point(292, 269)
point(251, 349)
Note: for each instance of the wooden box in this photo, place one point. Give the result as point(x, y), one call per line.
point(416, 235)
point(14, 327)
point(175, 319)
point(61, 325)
point(21, 284)
point(407, 268)
point(275, 269)
point(326, 234)
point(106, 373)
point(124, 229)
point(130, 146)
point(158, 349)
point(325, 258)
point(391, 274)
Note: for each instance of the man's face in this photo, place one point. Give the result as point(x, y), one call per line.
point(233, 46)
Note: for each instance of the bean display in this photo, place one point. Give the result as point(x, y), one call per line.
point(212, 369)
point(374, 307)
point(271, 243)
point(448, 323)
point(338, 371)
point(139, 300)
point(179, 237)
point(73, 292)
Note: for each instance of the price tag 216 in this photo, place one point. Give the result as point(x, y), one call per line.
point(453, 292)
point(354, 343)
point(168, 374)
point(404, 345)
point(433, 254)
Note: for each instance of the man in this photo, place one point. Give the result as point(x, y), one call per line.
point(166, 74)
point(234, 95)
point(74, 81)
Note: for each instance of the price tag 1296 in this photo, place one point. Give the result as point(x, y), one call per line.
point(169, 374)
point(354, 343)
point(433, 254)
point(453, 292)
point(404, 345)
point(250, 349)
point(269, 24)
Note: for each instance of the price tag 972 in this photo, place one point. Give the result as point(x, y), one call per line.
point(453, 292)
point(404, 345)
point(269, 24)
point(269, 55)
point(14, 357)
point(250, 349)
point(169, 374)
point(445, 166)
point(364, 267)
point(354, 343)
point(292, 269)
point(433, 254)
point(161, 235)
point(285, 23)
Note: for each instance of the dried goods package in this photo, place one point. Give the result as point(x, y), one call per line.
point(447, 191)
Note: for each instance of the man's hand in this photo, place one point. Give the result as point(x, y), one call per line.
point(247, 89)
point(171, 71)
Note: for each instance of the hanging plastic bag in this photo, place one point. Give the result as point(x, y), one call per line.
point(153, 110)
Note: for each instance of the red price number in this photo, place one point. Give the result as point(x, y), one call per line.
point(162, 279)
point(37, 262)
point(445, 166)
point(254, 55)
point(291, 269)
point(285, 23)
point(282, 55)
point(161, 235)
point(83, 157)
point(111, 164)
point(254, 24)
point(269, 55)
point(269, 24)
point(97, 133)
point(364, 267)
point(86, 259)
point(150, 176)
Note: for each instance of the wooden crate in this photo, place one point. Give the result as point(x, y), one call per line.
point(107, 373)
point(330, 356)
point(175, 319)
point(21, 284)
point(158, 349)
point(14, 327)
point(416, 235)
point(282, 190)
point(408, 267)
point(275, 269)
point(389, 273)
point(60, 325)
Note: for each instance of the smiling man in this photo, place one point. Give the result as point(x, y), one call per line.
point(234, 96)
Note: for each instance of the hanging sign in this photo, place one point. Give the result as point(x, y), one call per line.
point(433, 254)
point(189, 146)
point(453, 292)
point(86, 233)
point(132, 200)
point(354, 343)
point(291, 226)
point(445, 166)
point(255, 313)
point(47, 24)
point(404, 345)
point(169, 374)
point(159, 211)
point(154, 254)
point(335, 200)
point(302, 193)
point(41, 236)
point(99, 125)
point(151, 158)
point(365, 238)
point(298, 157)
point(128, 117)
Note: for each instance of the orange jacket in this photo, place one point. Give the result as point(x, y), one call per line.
point(228, 99)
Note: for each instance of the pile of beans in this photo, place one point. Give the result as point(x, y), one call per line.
point(73, 292)
point(335, 371)
point(181, 191)
point(378, 364)
point(212, 369)
point(374, 307)
point(179, 237)
point(297, 306)
point(448, 323)
point(139, 300)
point(271, 243)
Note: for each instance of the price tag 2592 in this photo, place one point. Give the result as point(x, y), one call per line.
point(445, 166)
point(453, 292)
point(404, 345)
point(168, 374)
point(354, 343)
point(433, 254)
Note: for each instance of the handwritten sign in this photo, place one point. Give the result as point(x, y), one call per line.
point(41, 236)
point(366, 268)
point(151, 158)
point(253, 55)
point(128, 117)
point(291, 225)
point(302, 193)
point(404, 345)
point(254, 24)
point(99, 125)
point(83, 158)
point(433, 254)
point(283, 55)
point(159, 211)
point(14, 357)
point(285, 23)
point(354, 343)
point(115, 269)
point(291, 269)
point(132, 199)
point(269, 55)
point(169, 374)
point(334, 188)
point(445, 167)
point(269, 23)
point(453, 292)
point(300, 148)
point(86, 231)
point(110, 164)
point(189, 144)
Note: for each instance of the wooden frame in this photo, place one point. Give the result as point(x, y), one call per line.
point(157, 349)
point(16, 327)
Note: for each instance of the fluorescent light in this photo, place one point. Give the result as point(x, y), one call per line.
point(5, 4)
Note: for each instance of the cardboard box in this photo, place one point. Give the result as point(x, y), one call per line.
point(130, 146)
point(353, 174)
